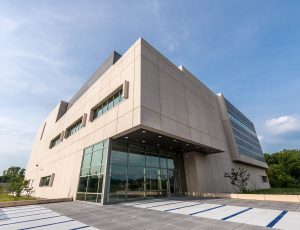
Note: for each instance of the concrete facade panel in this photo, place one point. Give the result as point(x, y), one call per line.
point(149, 85)
point(167, 95)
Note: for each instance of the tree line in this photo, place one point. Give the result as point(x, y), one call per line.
point(284, 168)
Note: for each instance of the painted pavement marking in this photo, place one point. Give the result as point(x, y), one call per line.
point(254, 216)
point(172, 206)
point(277, 219)
point(21, 211)
point(205, 210)
point(291, 221)
point(37, 217)
point(264, 217)
point(156, 204)
point(194, 209)
point(238, 213)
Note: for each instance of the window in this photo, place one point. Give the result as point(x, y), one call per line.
point(47, 181)
point(74, 128)
point(108, 104)
point(55, 141)
point(264, 179)
point(91, 175)
point(43, 131)
point(241, 124)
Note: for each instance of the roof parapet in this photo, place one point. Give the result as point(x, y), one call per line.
point(110, 61)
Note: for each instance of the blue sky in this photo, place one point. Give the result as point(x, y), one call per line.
point(249, 50)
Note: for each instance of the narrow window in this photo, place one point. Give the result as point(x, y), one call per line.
point(105, 107)
point(264, 179)
point(45, 181)
point(43, 131)
point(108, 104)
point(74, 128)
point(55, 141)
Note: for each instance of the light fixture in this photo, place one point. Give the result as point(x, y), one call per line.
point(144, 131)
point(159, 136)
point(143, 141)
point(126, 137)
point(186, 144)
point(174, 140)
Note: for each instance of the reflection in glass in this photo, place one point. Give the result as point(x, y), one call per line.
point(118, 169)
point(117, 183)
point(90, 187)
point(85, 172)
point(93, 184)
point(135, 178)
point(88, 150)
point(164, 182)
point(95, 170)
point(117, 99)
point(118, 157)
point(104, 108)
point(97, 158)
point(136, 159)
point(86, 160)
point(82, 184)
point(152, 182)
point(170, 163)
point(98, 146)
point(99, 198)
point(91, 197)
point(153, 171)
point(163, 162)
point(138, 171)
point(110, 103)
point(152, 161)
point(80, 196)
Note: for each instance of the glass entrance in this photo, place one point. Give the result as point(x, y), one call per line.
point(139, 171)
point(174, 183)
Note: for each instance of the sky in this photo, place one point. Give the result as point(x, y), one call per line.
point(248, 50)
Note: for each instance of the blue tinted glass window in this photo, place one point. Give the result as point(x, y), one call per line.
point(108, 104)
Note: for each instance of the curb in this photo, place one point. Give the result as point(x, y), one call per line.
point(32, 202)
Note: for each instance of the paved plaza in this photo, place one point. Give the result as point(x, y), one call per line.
point(175, 214)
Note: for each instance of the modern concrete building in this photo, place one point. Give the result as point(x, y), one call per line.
point(142, 127)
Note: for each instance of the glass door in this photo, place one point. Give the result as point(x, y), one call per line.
point(174, 182)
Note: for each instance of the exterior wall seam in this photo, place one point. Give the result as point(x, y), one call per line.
point(142, 106)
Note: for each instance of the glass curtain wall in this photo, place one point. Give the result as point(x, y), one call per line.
point(91, 174)
point(138, 171)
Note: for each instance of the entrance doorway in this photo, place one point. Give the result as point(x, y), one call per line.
point(143, 172)
point(174, 183)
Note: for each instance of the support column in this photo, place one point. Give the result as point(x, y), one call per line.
point(106, 182)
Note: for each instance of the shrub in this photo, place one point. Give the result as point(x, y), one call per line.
point(238, 179)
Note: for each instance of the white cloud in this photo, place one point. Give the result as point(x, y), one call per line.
point(283, 124)
point(260, 138)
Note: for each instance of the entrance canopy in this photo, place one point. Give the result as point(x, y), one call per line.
point(146, 137)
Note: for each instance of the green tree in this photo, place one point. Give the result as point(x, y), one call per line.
point(16, 179)
point(3, 179)
point(284, 168)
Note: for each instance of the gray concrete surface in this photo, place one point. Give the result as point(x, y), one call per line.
point(277, 205)
point(119, 216)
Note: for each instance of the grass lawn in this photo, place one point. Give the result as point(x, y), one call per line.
point(278, 191)
point(6, 197)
